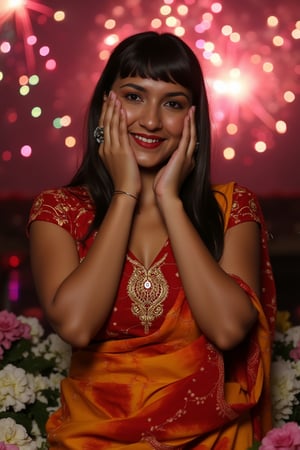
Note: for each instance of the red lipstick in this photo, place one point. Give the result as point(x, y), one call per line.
point(147, 140)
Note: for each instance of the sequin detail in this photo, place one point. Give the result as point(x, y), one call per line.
point(147, 289)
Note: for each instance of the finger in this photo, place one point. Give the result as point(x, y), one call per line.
point(108, 118)
point(192, 132)
point(103, 111)
point(115, 124)
point(124, 138)
point(185, 138)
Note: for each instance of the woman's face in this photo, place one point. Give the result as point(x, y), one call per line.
point(155, 113)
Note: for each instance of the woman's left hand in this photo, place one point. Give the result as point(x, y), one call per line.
point(169, 179)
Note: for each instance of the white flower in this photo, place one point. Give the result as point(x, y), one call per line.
point(285, 386)
point(12, 433)
point(53, 347)
point(36, 330)
point(279, 337)
point(16, 388)
point(293, 335)
point(21, 389)
point(36, 433)
point(297, 367)
point(40, 384)
point(55, 380)
point(59, 350)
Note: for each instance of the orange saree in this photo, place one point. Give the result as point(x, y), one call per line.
point(171, 388)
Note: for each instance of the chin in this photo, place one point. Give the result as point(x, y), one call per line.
point(151, 164)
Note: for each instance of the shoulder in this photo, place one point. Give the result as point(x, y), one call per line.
point(238, 202)
point(245, 206)
point(62, 194)
point(61, 201)
point(63, 206)
point(232, 189)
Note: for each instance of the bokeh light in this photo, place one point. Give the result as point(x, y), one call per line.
point(52, 53)
point(26, 151)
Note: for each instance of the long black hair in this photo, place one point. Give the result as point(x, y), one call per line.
point(167, 58)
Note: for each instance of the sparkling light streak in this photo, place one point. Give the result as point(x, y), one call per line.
point(19, 10)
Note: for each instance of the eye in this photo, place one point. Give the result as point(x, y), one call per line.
point(133, 97)
point(174, 104)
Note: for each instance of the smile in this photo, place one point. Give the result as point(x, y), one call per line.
point(147, 140)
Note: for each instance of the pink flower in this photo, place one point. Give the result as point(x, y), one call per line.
point(11, 329)
point(295, 352)
point(4, 446)
point(286, 437)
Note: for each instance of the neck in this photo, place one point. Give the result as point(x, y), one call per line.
point(147, 198)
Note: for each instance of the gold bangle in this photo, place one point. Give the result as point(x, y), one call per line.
point(126, 193)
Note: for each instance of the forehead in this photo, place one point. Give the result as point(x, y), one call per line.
point(150, 85)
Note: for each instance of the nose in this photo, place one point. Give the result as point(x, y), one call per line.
point(150, 117)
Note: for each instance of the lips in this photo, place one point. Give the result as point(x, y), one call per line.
point(147, 141)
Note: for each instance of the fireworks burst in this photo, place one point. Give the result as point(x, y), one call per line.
point(251, 64)
point(19, 12)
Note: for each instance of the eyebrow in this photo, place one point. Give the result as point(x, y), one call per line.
point(142, 89)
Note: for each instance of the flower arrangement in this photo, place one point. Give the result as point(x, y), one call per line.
point(285, 388)
point(31, 368)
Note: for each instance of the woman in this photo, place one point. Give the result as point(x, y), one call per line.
point(160, 281)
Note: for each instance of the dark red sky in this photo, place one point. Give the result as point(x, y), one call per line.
point(75, 44)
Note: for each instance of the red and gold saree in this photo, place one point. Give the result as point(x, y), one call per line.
point(165, 386)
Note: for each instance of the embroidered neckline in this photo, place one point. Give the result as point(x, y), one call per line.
point(147, 290)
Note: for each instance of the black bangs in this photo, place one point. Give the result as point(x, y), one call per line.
point(159, 58)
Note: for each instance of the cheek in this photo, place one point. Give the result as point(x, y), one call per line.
point(175, 126)
point(130, 116)
point(130, 113)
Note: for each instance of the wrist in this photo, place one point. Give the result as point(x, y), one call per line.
point(132, 195)
point(169, 205)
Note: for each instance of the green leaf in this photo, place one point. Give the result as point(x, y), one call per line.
point(16, 352)
point(38, 364)
point(295, 416)
point(282, 349)
point(255, 446)
point(38, 412)
point(44, 446)
point(52, 397)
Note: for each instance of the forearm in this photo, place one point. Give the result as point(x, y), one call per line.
point(220, 307)
point(84, 300)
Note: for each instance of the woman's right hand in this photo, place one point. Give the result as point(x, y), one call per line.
point(116, 152)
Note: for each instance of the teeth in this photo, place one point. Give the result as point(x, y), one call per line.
point(147, 140)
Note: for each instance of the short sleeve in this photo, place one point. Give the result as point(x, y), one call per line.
point(245, 207)
point(69, 208)
point(50, 206)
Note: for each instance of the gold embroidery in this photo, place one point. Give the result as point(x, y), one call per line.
point(147, 290)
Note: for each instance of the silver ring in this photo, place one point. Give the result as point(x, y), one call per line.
point(99, 134)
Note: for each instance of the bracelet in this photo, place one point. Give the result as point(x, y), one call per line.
point(126, 193)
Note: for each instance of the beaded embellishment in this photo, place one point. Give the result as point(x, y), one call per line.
point(147, 290)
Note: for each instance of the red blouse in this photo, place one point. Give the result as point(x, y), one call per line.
point(144, 296)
